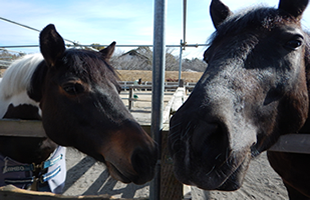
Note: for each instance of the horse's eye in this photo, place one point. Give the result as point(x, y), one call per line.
point(73, 88)
point(293, 44)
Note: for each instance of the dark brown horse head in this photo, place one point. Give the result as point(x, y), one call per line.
point(253, 90)
point(79, 98)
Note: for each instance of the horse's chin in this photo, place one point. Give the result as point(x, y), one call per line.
point(116, 174)
point(126, 176)
point(216, 179)
point(235, 180)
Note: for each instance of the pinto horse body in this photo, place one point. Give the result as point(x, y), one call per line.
point(76, 95)
point(255, 89)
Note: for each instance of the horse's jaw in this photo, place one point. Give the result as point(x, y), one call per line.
point(131, 166)
point(225, 176)
point(128, 176)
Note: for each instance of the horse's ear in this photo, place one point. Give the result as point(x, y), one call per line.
point(219, 12)
point(294, 8)
point(52, 45)
point(108, 51)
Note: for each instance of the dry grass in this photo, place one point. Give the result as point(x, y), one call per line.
point(1, 72)
point(131, 75)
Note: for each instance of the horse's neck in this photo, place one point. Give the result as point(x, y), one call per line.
point(23, 149)
point(19, 107)
point(16, 104)
point(15, 82)
point(26, 149)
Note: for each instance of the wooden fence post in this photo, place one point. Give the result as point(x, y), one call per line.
point(130, 102)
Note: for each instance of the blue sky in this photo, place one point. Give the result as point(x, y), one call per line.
point(104, 21)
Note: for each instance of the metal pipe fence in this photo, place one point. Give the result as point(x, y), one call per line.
point(117, 45)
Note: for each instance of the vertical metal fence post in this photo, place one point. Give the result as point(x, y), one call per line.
point(158, 87)
point(180, 62)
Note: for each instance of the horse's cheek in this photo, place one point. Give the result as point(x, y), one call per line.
point(54, 122)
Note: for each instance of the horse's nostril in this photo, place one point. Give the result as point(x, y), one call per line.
point(205, 132)
point(143, 162)
point(138, 159)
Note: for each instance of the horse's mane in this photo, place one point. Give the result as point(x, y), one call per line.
point(250, 19)
point(17, 77)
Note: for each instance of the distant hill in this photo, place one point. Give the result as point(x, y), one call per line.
point(141, 58)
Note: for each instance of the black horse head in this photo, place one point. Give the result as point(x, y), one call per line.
point(253, 90)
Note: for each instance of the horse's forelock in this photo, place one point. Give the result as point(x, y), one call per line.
point(90, 65)
point(249, 19)
point(17, 77)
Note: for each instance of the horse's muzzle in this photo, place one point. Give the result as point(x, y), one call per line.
point(143, 162)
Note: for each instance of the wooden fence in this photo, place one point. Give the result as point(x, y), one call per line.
point(169, 86)
point(126, 85)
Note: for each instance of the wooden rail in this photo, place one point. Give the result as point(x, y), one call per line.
point(21, 128)
point(29, 128)
point(293, 143)
point(174, 103)
point(10, 192)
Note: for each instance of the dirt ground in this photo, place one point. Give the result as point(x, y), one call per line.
point(87, 177)
point(131, 75)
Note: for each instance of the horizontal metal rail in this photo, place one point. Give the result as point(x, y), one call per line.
point(28, 27)
point(118, 45)
point(4, 64)
point(3, 49)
